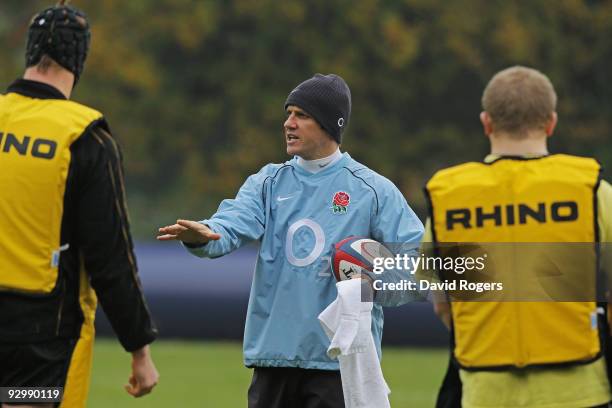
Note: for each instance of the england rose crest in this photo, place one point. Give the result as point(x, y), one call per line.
point(340, 202)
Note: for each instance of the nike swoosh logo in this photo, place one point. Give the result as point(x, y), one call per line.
point(279, 198)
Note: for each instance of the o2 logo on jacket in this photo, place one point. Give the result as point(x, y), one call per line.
point(316, 251)
point(319, 235)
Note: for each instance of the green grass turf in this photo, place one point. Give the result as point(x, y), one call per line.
point(211, 374)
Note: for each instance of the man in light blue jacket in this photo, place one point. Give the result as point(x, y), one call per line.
point(297, 210)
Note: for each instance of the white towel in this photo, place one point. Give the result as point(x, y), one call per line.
point(347, 322)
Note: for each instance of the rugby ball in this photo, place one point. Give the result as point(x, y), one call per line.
point(353, 256)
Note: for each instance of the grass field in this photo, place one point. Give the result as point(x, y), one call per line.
point(209, 374)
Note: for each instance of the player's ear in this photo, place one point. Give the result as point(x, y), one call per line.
point(487, 125)
point(551, 124)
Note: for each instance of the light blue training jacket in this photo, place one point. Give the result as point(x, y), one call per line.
point(291, 212)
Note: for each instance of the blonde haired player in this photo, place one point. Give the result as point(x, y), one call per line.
point(527, 354)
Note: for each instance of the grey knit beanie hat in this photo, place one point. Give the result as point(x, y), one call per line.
point(327, 98)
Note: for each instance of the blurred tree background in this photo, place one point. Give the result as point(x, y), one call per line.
point(194, 89)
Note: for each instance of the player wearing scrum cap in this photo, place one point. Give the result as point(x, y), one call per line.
point(66, 242)
point(297, 210)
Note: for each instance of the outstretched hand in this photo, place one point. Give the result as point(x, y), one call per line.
point(190, 232)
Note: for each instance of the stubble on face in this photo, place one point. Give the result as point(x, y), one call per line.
point(305, 137)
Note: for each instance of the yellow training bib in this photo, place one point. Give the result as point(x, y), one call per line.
point(35, 140)
point(544, 200)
